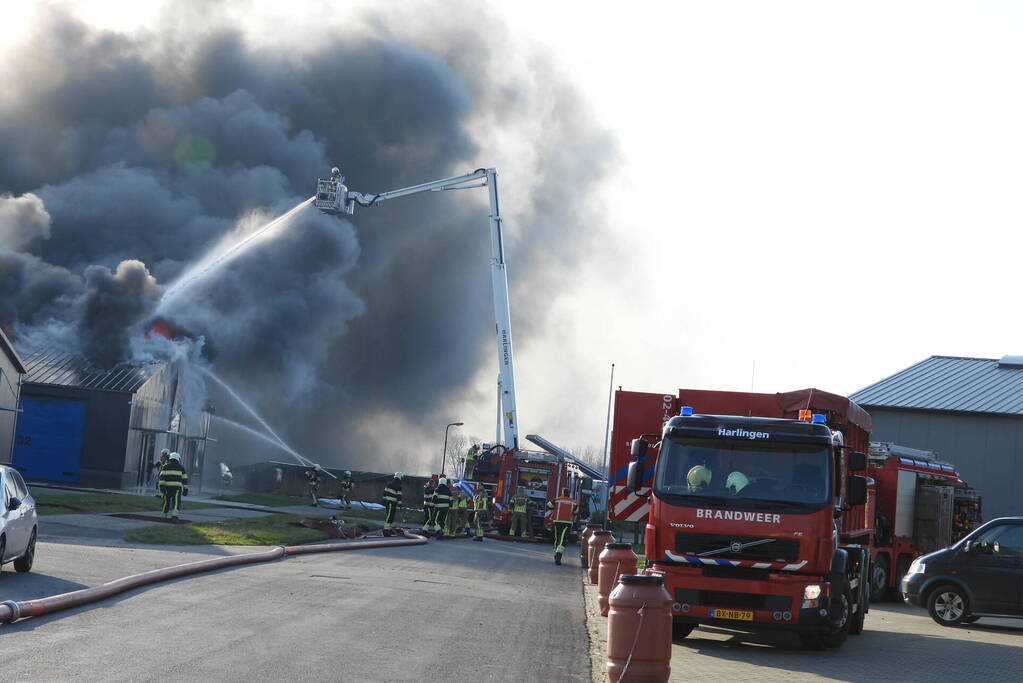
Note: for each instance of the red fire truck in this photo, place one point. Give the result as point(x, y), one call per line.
point(923, 505)
point(753, 511)
point(755, 519)
point(540, 475)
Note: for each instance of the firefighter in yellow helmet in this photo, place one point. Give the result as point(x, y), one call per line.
point(312, 480)
point(480, 507)
point(698, 478)
point(736, 482)
point(346, 484)
point(520, 521)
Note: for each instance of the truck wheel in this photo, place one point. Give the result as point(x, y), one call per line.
point(835, 633)
point(879, 579)
point(948, 605)
point(680, 630)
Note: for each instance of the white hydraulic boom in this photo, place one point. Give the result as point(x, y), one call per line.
point(333, 197)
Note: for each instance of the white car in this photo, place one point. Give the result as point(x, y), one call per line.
point(17, 521)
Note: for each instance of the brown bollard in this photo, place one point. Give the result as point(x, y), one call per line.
point(639, 630)
point(598, 539)
point(584, 548)
point(615, 560)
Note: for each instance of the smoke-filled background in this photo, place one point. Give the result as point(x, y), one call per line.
point(125, 157)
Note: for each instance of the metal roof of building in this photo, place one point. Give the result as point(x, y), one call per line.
point(970, 385)
point(71, 370)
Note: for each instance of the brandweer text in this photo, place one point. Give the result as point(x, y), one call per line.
point(738, 515)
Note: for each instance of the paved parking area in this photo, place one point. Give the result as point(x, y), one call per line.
point(899, 643)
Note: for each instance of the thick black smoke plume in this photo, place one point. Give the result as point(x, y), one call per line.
point(126, 157)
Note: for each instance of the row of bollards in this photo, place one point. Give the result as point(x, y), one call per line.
point(638, 608)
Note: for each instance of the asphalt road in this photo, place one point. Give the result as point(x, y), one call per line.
point(454, 610)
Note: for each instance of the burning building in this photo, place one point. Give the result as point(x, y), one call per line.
point(105, 427)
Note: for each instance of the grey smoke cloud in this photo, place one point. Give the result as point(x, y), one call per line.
point(22, 219)
point(113, 303)
point(146, 150)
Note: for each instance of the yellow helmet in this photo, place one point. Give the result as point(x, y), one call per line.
point(736, 482)
point(698, 476)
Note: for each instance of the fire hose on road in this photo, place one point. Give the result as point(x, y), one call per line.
point(11, 610)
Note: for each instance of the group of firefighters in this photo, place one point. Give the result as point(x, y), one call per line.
point(313, 476)
point(449, 511)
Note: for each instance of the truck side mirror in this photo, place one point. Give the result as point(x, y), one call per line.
point(857, 461)
point(638, 448)
point(856, 490)
point(634, 480)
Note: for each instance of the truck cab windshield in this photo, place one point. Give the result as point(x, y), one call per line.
point(754, 475)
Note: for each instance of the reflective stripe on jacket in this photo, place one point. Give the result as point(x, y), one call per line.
point(392, 492)
point(173, 474)
point(519, 504)
point(442, 497)
point(564, 509)
point(480, 503)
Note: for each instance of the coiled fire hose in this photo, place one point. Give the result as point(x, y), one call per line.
point(11, 610)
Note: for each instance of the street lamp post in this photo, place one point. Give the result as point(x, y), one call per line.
point(444, 457)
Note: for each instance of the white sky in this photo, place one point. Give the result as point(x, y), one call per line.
point(827, 191)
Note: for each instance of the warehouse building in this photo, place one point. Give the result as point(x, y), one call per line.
point(104, 428)
point(11, 370)
point(968, 410)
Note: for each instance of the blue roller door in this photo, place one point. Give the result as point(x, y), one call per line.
point(48, 443)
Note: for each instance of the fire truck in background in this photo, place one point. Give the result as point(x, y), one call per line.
point(761, 510)
point(923, 505)
point(540, 475)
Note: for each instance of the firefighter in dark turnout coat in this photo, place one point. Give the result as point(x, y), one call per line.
point(173, 485)
point(392, 499)
point(441, 506)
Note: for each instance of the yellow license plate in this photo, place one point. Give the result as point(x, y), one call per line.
point(741, 615)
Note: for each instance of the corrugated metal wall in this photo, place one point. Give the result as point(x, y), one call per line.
point(9, 378)
point(986, 449)
point(150, 410)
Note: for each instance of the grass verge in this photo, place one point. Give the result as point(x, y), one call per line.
point(270, 530)
point(61, 503)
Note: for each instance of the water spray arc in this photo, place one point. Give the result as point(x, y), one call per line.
point(212, 261)
point(276, 440)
